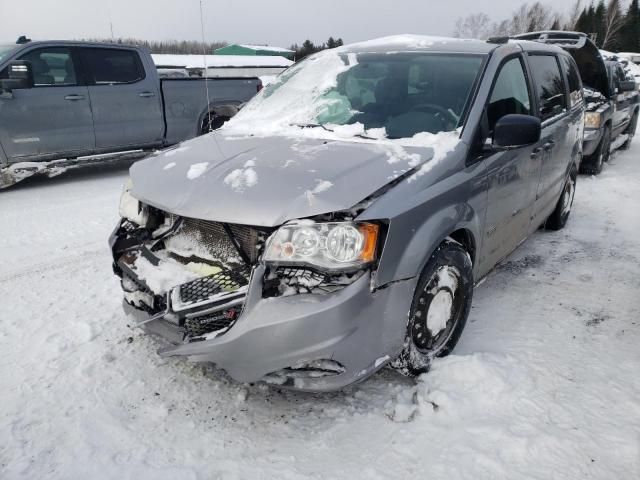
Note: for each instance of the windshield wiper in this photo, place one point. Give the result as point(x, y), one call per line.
point(311, 125)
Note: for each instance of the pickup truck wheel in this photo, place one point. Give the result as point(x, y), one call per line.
point(439, 310)
point(212, 122)
point(592, 165)
point(558, 219)
point(630, 132)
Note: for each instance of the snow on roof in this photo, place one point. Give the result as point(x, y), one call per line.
point(267, 48)
point(412, 42)
point(219, 61)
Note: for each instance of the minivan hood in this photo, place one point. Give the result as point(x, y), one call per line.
point(268, 181)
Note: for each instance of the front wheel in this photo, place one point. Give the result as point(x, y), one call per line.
point(439, 310)
point(630, 132)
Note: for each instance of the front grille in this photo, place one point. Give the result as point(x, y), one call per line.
point(204, 288)
point(213, 237)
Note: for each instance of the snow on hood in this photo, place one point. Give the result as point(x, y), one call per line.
point(268, 181)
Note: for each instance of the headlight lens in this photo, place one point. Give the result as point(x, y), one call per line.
point(131, 208)
point(592, 120)
point(330, 245)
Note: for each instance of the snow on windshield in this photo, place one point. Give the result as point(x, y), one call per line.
point(372, 96)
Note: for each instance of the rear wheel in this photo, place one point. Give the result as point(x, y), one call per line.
point(630, 132)
point(439, 311)
point(558, 219)
point(212, 122)
point(592, 164)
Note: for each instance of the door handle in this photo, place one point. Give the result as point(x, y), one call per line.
point(74, 97)
point(146, 94)
point(549, 145)
point(535, 153)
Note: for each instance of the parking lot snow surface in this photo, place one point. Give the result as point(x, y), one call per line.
point(545, 382)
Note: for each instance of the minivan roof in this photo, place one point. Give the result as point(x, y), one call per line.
point(424, 43)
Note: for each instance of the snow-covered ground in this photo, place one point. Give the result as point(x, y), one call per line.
point(545, 383)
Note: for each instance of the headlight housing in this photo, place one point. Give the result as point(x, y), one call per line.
point(131, 208)
point(592, 120)
point(327, 245)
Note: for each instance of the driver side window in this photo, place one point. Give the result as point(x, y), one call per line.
point(510, 93)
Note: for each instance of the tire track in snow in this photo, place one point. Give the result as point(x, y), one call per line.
point(55, 264)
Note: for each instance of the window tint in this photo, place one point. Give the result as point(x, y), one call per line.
point(549, 84)
point(108, 65)
point(575, 84)
point(510, 93)
point(51, 66)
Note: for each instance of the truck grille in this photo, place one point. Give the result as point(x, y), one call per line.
point(214, 238)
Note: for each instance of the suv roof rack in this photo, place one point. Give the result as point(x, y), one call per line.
point(568, 40)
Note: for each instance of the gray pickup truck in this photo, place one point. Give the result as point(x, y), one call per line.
point(63, 100)
point(611, 99)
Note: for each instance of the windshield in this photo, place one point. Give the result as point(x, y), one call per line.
point(402, 93)
point(5, 50)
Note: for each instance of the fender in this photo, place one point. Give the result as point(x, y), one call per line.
point(435, 212)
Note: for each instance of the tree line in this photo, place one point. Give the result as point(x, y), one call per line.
point(308, 47)
point(184, 47)
point(609, 24)
point(179, 47)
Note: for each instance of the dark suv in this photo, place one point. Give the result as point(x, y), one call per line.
point(340, 221)
point(611, 99)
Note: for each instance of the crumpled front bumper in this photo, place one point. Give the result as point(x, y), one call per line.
point(355, 327)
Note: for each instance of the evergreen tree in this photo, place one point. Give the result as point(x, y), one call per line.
point(630, 37)
point(598, 22)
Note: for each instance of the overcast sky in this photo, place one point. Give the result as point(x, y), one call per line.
point(274, 22)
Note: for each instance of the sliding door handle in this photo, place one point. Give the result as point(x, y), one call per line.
point(146, 94)
point(74, 97)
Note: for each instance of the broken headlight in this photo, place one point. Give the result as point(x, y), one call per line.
point(131, 208)
point(327, 245)
point(592, 120)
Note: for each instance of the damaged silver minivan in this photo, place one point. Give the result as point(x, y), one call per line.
point(340, 221)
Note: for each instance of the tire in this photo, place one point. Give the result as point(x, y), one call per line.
point(630, 131)
point(445, 288)
point(212, 122)
point(558, 219)
point(592, 165)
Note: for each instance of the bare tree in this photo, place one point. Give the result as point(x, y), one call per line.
point(613, 23)
point(476, 25)
point(527, 18)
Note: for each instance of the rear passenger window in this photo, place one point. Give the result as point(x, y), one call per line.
point(51, 66)
point(575, 84)
point(549, 84)
point(510, 93)
point(108, 66)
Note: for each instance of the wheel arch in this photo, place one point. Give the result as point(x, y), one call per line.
point(218, 108)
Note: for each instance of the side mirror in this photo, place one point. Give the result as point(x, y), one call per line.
point(513, 131)
point(20, 76)
point(627, 86)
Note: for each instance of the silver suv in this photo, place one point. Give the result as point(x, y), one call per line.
point(340, 221)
